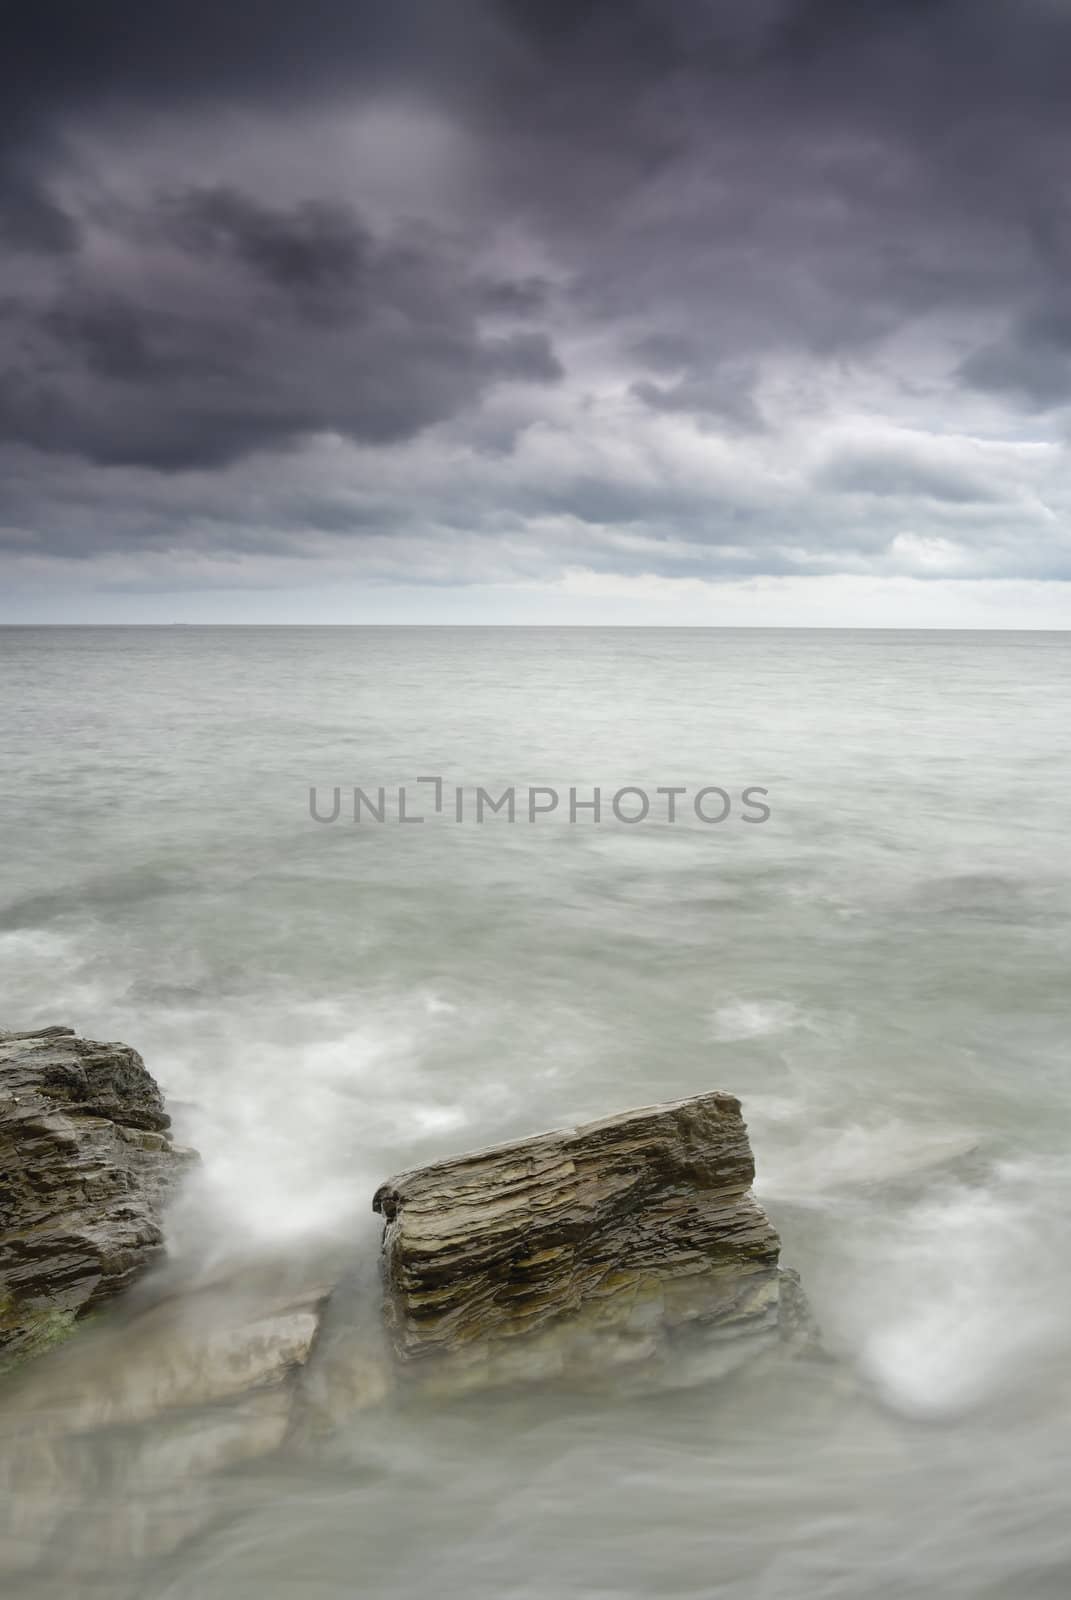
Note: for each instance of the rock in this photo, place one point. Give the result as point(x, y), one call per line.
point(163, 1486)
point(79, 1501)
point(168, 1367)
point(592, 1246)
point(189, 1350)
point(86, 1162)
point(795, 1319)
point(112, 1448)
point(351, 1370)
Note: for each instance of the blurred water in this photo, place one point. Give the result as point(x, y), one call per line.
point(879, 971)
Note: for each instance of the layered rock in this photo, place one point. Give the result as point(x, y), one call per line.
point(86, 1161)
point(111, 1449)
point(568, 1252)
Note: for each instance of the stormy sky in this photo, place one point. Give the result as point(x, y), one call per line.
point(525, 310)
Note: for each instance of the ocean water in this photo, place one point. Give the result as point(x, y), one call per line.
point(879, 969)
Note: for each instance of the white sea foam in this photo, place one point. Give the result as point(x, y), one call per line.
point(295, 1131)
point(753, 1019)
point(967, 1294)
point(809, 1157)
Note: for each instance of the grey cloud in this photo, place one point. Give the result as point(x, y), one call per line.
point(31, 220)
point(527, 297)
point(1031, 362)
point(724, 396)
point(902, 473)
point(704, 194)
point(551, 506)
point(192, 51)
point(315, 249)
point(811, 178)
point(664, 352)
point(262, 328)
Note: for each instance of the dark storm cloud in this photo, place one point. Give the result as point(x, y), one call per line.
point(301, 321)
point(1031, 362)
point(30, 220)
point(316, 249)
point(806, 174)
point(706, 188)
point(263, 326)
point(59, 56)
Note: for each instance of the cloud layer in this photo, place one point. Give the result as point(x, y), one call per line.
point(470, 292)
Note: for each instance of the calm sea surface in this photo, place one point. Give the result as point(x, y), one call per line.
point(880, 971)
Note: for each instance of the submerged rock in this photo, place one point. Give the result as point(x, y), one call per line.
point(112, 1449)
point(592, 1246)
point(86, 1161)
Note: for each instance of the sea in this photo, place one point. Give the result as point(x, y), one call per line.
point(828, 872)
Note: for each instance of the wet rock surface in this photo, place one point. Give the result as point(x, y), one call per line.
point(630, 1248)
point(583, 1249)
point(86, 1162)
point(114, 1447)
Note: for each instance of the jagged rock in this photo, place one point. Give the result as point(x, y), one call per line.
point(563, 1254)
point(85, 1164)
